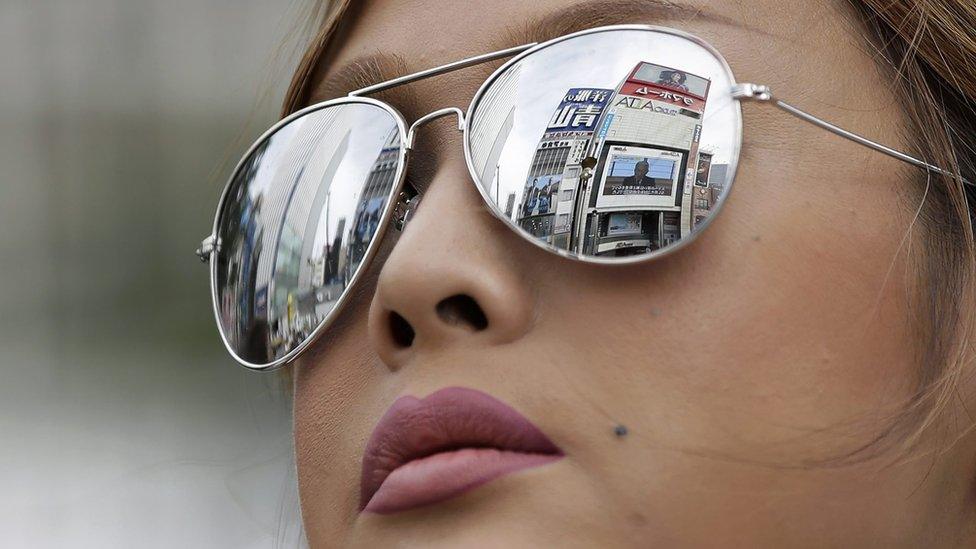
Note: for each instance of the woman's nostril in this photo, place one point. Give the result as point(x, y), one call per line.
point(462, 310)
point(401, 330)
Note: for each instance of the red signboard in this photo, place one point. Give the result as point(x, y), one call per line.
point(682, 100)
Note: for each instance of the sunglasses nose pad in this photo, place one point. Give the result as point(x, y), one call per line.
point(407, 204)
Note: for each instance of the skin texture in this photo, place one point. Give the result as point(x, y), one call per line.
point(745, 367)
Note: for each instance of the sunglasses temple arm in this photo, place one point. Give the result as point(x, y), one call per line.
point(764, 95)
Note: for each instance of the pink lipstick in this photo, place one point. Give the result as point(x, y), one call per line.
point(424, 451)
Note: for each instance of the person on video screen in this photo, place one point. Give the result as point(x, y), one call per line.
point(674, 79)
point(639, 179)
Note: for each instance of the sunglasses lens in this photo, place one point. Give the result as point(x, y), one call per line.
point(297, 224)
point(608, 145)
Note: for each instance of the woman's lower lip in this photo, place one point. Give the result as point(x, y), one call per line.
point(448, 474)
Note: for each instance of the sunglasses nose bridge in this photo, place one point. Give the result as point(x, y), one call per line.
point(440, 113)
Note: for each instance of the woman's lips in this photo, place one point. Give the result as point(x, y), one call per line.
point(424, 451)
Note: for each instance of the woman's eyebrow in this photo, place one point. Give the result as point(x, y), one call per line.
point(361, 72)
point(366, 71)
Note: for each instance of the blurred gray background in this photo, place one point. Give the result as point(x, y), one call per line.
point(123, 421)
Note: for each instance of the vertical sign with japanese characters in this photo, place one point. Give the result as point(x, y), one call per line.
point(579, 110)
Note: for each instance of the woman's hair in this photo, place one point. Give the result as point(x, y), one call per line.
point(928, 48)
point(325, 18)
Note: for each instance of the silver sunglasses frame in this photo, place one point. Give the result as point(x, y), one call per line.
point(399, 203)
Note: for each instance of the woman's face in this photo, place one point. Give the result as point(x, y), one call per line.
point(746, 368)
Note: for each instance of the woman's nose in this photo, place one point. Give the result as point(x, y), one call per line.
point(452, 278)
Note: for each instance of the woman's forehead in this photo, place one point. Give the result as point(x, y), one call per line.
point(386, 36)
point(395, 37)
point(797, 47)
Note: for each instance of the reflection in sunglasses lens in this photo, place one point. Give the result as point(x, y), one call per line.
point(298, 221)
point(610, 144)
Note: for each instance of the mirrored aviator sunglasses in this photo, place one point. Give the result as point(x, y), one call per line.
point(612, 145)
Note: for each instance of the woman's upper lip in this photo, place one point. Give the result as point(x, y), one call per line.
point(448, 419)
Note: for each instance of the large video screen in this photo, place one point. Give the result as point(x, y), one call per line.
point(661, 169)
point(640, 177)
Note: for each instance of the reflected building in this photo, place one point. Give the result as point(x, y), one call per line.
point(496, 117)
point(510, 205)
point(366, 219)
point(640, 195)
point(717, 176)
point(649, 185)
point(241, 275)
point(312, 279)
point(298, 196)
point(708, 188)
point(546, 204)
point(305, 205)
